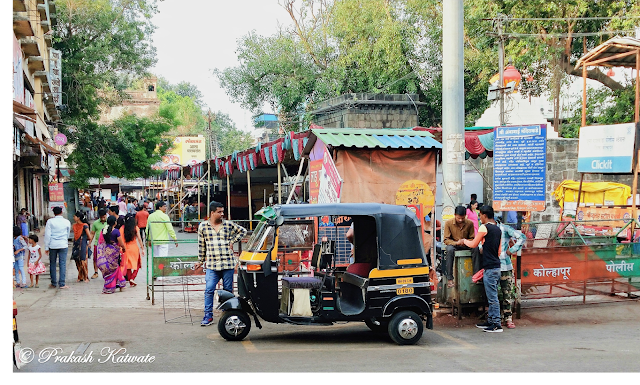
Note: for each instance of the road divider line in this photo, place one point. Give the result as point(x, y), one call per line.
point(249, 346)
point(454, 339)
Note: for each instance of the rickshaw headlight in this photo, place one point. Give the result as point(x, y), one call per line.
point(253, 267)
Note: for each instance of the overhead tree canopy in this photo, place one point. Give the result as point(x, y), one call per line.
point(395, 46)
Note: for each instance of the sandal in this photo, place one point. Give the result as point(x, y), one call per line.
point(132, 284)
point(511, 325)
point(37, 286)
point(95, 275)
point(450, 284)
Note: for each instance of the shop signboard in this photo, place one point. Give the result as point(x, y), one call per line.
point(606, 149)
point(325, 182)
point(56, 192)
point(519, 168)
point(55, 74)
point(185, 151)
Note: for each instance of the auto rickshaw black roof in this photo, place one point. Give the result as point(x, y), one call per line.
point(398, 228)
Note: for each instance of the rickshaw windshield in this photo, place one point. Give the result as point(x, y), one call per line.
point(262, 238)
point(296, 235)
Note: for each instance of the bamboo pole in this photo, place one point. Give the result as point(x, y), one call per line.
point(279, 185)
point(198, 192)
point(579, 192)
point(634, 192)
point(249, 197)
point(295, 183)
point(584, 94)
point(228, 198)
point(637, 86)
point(208, 187)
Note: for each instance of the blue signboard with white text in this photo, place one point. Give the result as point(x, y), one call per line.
point(519, 168)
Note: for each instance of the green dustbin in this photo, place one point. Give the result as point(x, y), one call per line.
point(465, 293)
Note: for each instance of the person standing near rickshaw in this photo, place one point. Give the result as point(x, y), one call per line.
point(215, 240)
point(455, 230)
point(507, 293)
point(490, 235)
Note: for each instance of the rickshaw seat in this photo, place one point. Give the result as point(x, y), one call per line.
point(302, 282)
point(359, 268)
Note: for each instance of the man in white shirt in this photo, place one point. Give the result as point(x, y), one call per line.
point(56, 245)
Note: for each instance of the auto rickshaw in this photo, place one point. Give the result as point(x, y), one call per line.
point(387, 286)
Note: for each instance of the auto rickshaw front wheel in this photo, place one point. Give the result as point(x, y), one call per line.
point(405, 328)
point(234, 325)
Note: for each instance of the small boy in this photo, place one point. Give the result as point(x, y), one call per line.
point(19, 246)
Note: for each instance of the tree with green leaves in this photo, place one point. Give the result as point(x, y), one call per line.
point(126, 148)
point(105, 44)
point(101, 40)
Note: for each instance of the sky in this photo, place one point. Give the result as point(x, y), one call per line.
point(193, 37)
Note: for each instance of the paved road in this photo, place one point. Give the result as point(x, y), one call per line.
point(594, 338)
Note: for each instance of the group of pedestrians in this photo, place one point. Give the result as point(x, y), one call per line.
point(114, 243)
point(494, 259)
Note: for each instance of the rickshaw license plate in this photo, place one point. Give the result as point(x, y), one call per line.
point(404, 290)
point(404, 281)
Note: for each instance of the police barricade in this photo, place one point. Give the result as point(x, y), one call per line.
point(172, 273)
point(596, 260)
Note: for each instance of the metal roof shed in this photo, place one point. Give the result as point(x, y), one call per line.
point(616, 52)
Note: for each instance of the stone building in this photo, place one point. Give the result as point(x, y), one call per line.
point(142, 102)
point(363, 110)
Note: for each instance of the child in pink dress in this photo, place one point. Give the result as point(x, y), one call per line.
point(36, 267)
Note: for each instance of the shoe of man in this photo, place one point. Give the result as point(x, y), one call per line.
point(484, 325)
point(494, 329)
point(208, 320)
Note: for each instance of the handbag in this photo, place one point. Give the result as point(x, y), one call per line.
point(477, 276)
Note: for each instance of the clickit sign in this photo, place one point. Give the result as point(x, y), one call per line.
point(606, 149)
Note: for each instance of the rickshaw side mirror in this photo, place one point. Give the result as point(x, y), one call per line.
point(279, 220)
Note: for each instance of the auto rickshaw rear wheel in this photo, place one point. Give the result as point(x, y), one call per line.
point(377, 325)
point(234, 325)
point(405, 328)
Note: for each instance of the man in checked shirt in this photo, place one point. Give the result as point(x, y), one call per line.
point(215, 239)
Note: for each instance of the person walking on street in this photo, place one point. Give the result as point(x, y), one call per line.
point(215, 239)
point(507, 292)
point(56, 245)
point(489, 234)
point(22, 220)
point(122, 206)
point(36, 267)
point(96, 228)
point(19, 247)
point(133, 249)
point(455, 229)
point(159, 229)
point(142, 217)
point(80, 251)
point(110, 246)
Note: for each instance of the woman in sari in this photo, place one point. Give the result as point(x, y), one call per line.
point(81, 237)
point(134, 249)
point(110, 245)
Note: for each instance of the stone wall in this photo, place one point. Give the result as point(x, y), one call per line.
point(368, 111)
point(562, 164)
